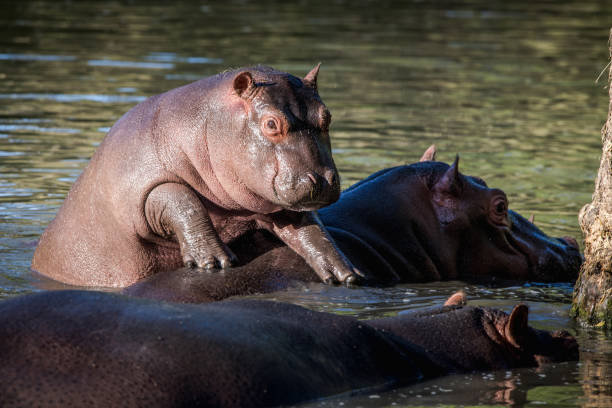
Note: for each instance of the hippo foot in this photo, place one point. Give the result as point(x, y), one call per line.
point(222, 258)
point(353, 277)
point(347, 274)
point(350, 280)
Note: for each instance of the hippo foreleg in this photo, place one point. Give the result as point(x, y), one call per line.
point(305, 234)
point(174, 211)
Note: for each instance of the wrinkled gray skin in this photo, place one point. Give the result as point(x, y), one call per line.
point(186, 171)
point(79, 348)
point(415, 223)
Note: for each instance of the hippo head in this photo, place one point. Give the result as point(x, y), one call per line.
point(493, 240)
point(280, 148)
point(524, 345)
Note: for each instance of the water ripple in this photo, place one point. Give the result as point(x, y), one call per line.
point(130, 64)
point(69, 98)
point(10, 154)
point(171, 57)
point(9, 128)
point(36, 57)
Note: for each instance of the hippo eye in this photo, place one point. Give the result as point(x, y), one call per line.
point(500, 208)
point(271, 124)
point(499, 211)
point(272, 128)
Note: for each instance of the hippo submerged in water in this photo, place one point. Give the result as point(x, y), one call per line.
point(414, 223)
point(80, 348)
point(184, 172)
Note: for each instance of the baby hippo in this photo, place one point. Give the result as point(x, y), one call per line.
point(185, 172)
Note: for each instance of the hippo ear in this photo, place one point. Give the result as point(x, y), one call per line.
point(456, 299)
point(311, 77)
point(450, 183)
point(244, 84)
point(515, 329)
point(429, 155)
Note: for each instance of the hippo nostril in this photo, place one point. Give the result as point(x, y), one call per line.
point(561, 333)
point(312, 178)
point(332, 177)
point(570, 241)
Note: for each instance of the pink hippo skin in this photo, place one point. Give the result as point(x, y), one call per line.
point(185, 172)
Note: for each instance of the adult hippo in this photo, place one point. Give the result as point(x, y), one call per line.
point(414, 223)
point(80, 348)
point(185, 172)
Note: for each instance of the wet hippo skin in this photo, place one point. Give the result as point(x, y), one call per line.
point(81, 348)
point(185, 172)
point(414, 223)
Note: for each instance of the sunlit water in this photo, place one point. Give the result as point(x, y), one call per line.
point(511, 88)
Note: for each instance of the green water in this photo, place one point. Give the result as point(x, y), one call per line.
point(511, 87)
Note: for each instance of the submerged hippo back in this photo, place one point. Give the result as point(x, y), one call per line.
point(80, 348)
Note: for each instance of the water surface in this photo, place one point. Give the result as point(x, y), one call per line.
point(511, 87)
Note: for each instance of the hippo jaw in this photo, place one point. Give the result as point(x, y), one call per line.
point(520, 250)
point(559, 346)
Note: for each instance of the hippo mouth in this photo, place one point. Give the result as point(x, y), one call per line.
point(308, 206)
point(558, 260)
point(522, 249)
point(307, 193)
point(295, 203)
point(569, 241)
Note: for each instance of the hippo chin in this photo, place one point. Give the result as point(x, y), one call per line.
point(80, 348)
point(185, 172)
point(415, 223)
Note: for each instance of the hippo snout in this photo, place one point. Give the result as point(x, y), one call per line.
point(570, 241)
point(310, 190)
point(560, 261)
point(557, 346)
point(550, 259)
point(318, 190)
point(570, 252)
point(332, 178)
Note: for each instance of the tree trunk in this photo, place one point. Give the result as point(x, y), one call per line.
point(592, 304)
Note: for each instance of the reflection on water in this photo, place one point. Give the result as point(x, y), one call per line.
point(596, 368)
point(497, 389)
point(510, 86)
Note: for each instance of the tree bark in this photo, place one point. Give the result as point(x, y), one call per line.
point(592, 303)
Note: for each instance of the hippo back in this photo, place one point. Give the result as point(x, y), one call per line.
point(91, 348)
